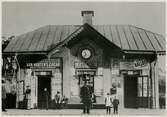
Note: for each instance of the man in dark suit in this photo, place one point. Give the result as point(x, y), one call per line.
point(3, 96)
point(115, 105)
point(85, 95)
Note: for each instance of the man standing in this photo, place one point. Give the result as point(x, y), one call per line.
point(85, 95)
point(28, 97)
point(3, 96)
point(46, 94)
point(115, 105)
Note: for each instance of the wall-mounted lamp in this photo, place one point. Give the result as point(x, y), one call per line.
point(123, 57)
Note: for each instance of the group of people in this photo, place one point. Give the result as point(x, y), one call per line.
point(60, 101)
point(87, 100)
point(86, 95)
point(8, 92)
point(111, 102)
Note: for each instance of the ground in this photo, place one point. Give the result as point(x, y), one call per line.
point(155, 112)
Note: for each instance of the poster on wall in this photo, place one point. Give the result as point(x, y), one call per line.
point(115, 71)
point(20, 91)
point(116, 82)
point(56, 84)
point(74, 87)
point(98, 80)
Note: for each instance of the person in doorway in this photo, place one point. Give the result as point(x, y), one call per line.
point(3, 96)
point(28, 97)
point(115, 105)
point(58, 100)
point(108, 103)
point(46, 94)
point(85, 95)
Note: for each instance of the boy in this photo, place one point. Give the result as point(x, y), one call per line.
point(115, 105)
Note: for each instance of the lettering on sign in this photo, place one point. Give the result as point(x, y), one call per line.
point(46, 63)
point(85, 65)
point(140, 63)
point(135, 64)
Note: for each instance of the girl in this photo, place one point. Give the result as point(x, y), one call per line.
point(108, 103)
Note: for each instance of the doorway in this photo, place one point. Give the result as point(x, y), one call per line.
point(130, 92)
point(43, 82)
point(87, 78)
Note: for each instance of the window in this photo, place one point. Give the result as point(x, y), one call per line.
point(144, 88)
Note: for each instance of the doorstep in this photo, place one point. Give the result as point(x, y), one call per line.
point(80, 105)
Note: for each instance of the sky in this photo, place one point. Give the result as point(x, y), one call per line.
point(22, 17)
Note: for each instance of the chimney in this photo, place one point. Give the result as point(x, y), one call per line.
point(87, 16)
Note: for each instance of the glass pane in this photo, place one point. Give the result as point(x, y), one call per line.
point(145, 86)
point(140, 86)
point(149, 87)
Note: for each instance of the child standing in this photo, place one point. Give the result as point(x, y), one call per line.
point(108, 103)
point(115, 105)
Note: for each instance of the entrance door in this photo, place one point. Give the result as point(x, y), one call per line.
point(43, 82)
point(86, 78)
point(130, 92)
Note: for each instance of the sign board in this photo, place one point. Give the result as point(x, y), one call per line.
point(45, 63)
point(43, 73)
point(79, 64)
point(115, 71)
point(135, 64)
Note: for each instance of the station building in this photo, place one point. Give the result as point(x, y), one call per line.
point(117, 59)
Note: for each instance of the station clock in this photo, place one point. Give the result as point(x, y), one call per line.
point(86, 53)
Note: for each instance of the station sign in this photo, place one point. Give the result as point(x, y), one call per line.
point(79, 64)
point(135, 64)
point(45, 63)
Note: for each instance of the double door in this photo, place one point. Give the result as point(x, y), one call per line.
point(137, 92)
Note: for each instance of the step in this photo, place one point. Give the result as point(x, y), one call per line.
point(80, 106)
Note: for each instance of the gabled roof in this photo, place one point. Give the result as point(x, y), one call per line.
point(126, 37)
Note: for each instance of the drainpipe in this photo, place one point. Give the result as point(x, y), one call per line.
point(17, 79)
point(156, 85)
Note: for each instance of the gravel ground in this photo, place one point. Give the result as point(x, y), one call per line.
point(155, 112)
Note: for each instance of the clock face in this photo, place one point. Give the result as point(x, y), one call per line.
point(86, 53)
